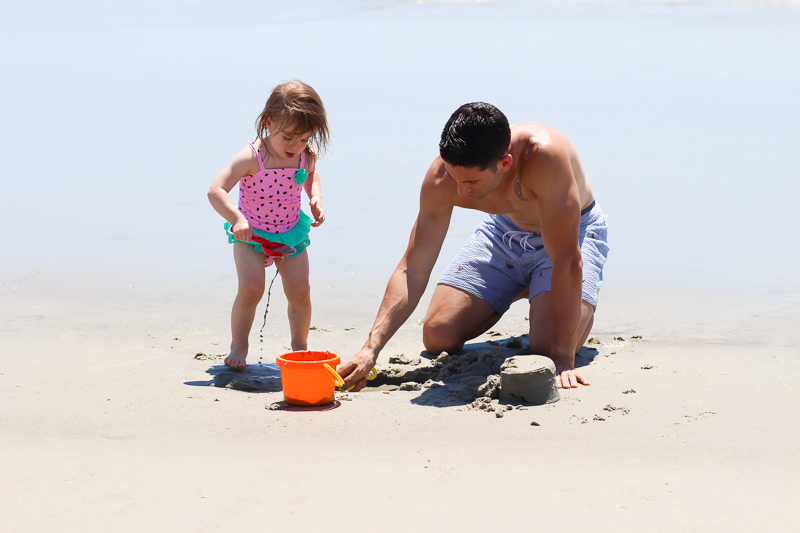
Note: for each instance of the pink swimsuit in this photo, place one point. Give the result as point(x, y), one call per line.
point(270, 199)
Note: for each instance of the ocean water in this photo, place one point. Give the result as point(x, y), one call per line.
point(115, 117)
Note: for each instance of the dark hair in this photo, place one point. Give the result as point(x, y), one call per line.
point(296, 105)
point(476, 135)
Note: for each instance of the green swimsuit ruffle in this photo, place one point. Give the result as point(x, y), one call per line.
point(297, 237)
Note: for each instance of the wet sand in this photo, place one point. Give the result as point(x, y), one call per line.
point(111, 419)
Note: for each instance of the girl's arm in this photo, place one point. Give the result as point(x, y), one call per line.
point(241, 166)
point(314, 192)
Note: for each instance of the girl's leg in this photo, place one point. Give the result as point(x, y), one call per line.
point(297, 288)
point(250, 269)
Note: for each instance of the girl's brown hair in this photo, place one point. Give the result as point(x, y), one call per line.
point(295, 105)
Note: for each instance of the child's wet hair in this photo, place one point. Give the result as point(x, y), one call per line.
point(295, 108)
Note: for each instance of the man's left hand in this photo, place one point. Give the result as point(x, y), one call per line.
point(567, 377)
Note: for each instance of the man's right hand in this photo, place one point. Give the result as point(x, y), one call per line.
point(354, 371)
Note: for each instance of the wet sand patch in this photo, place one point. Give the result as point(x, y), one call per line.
point(471, 378)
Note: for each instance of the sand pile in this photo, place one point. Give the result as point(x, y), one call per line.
point(473, 378)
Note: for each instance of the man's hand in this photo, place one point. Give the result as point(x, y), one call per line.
point(567, 377)
point(355, 369)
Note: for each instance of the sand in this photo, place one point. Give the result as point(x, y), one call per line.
point(115, 273)
point(112, 421)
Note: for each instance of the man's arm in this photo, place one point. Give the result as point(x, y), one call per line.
point(559, 208)
point(410, 278)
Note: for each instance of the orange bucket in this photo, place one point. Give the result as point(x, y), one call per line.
point(308, 378)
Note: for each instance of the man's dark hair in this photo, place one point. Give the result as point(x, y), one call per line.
point(476, 135)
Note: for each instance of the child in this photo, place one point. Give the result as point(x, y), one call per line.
point(271, 171)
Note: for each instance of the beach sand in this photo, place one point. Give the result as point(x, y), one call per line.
point(112, 420)
point(116, 413)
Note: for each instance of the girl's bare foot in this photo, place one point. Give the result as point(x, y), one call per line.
point(236, 359)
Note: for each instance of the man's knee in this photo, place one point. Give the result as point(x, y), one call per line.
point(440, 336)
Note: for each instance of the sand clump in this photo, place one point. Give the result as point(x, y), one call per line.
point(471, 378)
point(492, 380)
point(465, 377)
point(529, 377)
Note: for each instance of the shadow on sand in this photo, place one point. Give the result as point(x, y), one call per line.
point(253, 378)
point(458, 379)
point(445, 380)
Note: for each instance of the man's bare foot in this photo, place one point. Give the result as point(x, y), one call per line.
point(236, 359)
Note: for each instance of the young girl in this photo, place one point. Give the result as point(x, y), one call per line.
point(271, 171)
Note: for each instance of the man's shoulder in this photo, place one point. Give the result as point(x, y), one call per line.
point(437, 175)
point(438, 187)
point(538, 135)
point(537, 146)
point(437, 168)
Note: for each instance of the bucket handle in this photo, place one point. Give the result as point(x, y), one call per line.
point(337, 379)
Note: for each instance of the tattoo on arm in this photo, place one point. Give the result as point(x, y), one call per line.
point(530, 151)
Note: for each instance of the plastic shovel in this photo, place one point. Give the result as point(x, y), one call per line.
point(274, 249)
point(370, 376)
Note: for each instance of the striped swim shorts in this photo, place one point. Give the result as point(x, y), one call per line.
point(501, 260)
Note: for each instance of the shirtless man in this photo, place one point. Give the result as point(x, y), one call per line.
point(544, 238)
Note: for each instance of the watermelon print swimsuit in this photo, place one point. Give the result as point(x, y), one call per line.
point(270, 199)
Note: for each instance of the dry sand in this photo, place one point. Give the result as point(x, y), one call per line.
point(110, 422)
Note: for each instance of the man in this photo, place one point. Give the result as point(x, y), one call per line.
point(544, 238)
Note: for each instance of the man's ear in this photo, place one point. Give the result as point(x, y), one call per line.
point(505, 162)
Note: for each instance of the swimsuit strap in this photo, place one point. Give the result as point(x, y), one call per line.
point(258, 153)
point(303, 159)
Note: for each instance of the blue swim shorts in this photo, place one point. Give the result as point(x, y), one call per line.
point(501, 260)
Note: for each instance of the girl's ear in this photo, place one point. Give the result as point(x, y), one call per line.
point(268, 123)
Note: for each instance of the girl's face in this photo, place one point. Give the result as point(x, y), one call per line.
point(285, 143)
